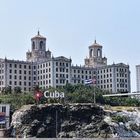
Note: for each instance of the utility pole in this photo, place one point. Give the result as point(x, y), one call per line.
point(94, 95)
point(56, 123)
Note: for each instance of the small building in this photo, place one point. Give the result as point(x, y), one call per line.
point(4, 116)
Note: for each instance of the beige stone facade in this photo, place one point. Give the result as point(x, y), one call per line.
point(42, 69)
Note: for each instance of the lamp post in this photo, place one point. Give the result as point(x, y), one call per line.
point(94, 96)
point(56, 127)
point(94, 85)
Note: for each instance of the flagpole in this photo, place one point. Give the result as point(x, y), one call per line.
point(94, 95)
point(94, 84)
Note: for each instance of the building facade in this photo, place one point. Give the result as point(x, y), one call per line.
point(4, 116)
point(138, 77)
point(42, 69)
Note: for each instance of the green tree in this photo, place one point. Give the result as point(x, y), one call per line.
point(17, 90)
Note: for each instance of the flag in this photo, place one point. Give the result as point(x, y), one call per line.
point(88, 81)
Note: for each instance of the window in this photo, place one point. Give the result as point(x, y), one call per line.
point(46, 76)
point(15, 71)
point(15, 65)
point(15, 82)
point(20, 77)
point(10, 71)
point(24, 83)
point(20, 83)
point(10, 65)
point(33, 45)
point(41, 45)
point(24, 66)
point(10, 82)
point(15, 77)
point(20, 72)
point(66, 75)
point(19, 66)
point(29, 72)
point(10, 76)
point(98, 53)
point(3, 108)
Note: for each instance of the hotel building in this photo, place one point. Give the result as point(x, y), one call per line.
point(45, 70)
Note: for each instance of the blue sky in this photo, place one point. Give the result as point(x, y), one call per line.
point(71, 26)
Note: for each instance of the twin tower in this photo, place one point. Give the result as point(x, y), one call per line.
point(38, 49)
point(38, 52)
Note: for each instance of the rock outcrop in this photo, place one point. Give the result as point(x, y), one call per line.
point(67, 121)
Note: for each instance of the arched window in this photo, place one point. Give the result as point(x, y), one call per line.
point(91, 53)
point(33, 45)
point(41, 45)
point(98, 53)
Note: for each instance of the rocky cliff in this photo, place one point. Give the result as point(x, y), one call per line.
point(73, 121)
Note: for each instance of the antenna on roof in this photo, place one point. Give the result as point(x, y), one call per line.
point(95, 40)
point(38, 33)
